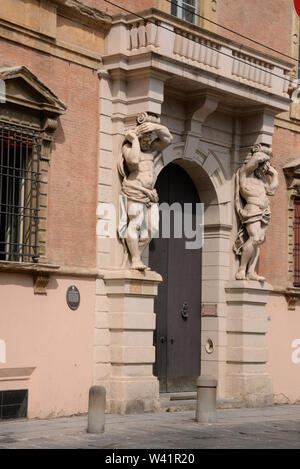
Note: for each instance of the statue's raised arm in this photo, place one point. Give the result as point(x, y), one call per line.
point(140, 160)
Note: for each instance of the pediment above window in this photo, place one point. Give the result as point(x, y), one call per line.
point(25, 89)
point(292, 173)
point(26, 101)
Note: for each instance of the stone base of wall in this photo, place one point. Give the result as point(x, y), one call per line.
point(134, 395)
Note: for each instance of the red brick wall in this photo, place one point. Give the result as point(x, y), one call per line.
point(274, 252)
point(73, 168)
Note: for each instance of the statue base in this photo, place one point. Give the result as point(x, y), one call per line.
point(133, 388)
point(247, 377)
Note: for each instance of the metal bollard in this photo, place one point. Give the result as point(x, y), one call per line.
point(96, 413)
point(206, 399)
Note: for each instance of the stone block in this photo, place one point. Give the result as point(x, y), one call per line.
point(247, 354)
point(102, 370)
point(102, 318)
point(101, 337)
point(142, 354)
point(132, 321)
point(131, 338)
point(102, 354)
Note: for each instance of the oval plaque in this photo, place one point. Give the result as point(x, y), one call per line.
point(73, 297)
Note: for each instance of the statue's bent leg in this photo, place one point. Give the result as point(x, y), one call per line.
point(249, 249)
point(259, 239)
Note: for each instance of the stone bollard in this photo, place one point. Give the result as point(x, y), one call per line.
point(96, 413)
point(206, 399)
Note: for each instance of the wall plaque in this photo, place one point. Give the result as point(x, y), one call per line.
point(73, 297)
point(209, 309)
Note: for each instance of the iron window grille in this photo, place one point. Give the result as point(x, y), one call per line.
point(13, 404)
point(20, 153)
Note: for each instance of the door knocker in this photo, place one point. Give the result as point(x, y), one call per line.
point(185, 311)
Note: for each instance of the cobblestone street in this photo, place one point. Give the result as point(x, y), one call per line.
point(269, 427)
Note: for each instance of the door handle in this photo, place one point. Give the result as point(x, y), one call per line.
point(172, 340)
point(162, 339)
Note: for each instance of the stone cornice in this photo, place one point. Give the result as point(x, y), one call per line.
point(87, 15)
point(26, 37)
point(48, 269)
point(139, 65)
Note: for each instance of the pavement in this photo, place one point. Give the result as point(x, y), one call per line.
point(265, 428)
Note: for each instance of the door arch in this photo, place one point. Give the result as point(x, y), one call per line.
point(178, 304)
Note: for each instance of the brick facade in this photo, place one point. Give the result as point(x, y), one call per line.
point(71, 203)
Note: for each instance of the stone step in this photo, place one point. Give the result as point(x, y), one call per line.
point(176, 402)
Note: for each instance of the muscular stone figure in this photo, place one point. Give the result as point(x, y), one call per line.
point(141, 157)
point(252, 205)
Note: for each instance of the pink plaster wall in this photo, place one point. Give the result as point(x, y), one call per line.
point(42, 332)
point(283, 329)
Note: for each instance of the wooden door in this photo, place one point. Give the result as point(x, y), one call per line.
point(178, 304)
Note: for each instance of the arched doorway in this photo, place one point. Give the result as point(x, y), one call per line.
point(178, 304)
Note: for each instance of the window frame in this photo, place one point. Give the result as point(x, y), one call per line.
point(179, 11)
point(296, 241)
point(32, 106)
point(20, 154)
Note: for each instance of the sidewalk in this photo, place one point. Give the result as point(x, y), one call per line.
point(269, 427)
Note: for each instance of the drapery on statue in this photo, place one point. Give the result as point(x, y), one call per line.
point(253, 182)
point(139, 164)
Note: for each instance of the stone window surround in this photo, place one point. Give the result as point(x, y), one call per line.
point(292, 174)
point(38, 111)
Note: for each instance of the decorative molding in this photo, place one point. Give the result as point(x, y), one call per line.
point(50, 101)
point(87, 15)
point(291, 300)
point(40, 283)
point(60, 49)
point(291, 172)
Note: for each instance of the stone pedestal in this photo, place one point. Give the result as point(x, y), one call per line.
point(247, 376)
point(133, 388)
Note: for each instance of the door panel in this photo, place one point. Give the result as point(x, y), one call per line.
point(178, 304)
